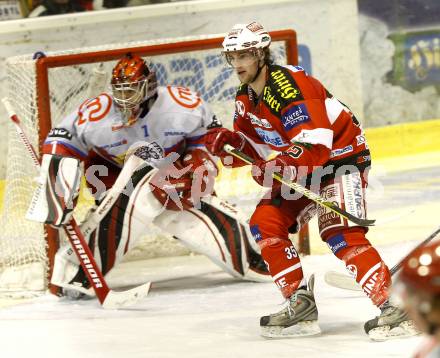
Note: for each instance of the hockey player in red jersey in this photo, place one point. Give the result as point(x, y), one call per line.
point(177, 198)
point(318, 142)
point(418, 286)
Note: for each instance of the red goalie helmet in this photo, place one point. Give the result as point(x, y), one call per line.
point(132, 83)
point(418, 286)
point(421, 270)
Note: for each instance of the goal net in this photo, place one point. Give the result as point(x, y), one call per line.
point(42, 91)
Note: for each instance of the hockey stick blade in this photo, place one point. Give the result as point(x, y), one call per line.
point(304, 191)
point(120, 299)
point(343, 281)
point(108, 298)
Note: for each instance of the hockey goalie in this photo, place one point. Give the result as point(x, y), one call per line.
point(176, 194)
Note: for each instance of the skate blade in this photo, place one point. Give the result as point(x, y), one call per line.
point(301, 329)
point(384, 333)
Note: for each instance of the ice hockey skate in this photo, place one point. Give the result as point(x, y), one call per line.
point(392, 323)
point(298, 319)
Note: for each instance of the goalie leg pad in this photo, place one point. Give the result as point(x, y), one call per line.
point(214, 230)
point(116, 234)
point(363, 263)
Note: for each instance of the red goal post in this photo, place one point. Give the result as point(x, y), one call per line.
point(52, 86)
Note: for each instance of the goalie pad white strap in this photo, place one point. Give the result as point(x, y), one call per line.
point(58, 187)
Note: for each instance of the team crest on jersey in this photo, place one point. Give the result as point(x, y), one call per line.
point(295, 116)
point(184, 96)
point(239, 107)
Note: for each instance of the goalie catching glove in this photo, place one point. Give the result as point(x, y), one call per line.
point(182, 184)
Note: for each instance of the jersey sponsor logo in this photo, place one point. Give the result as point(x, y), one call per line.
point(254, 26)
point(363, 159)
point(235, 32)
point(336, 243)
point(259, 122)
point(255, 231)
point(371, 283)
point(360, 139)
point(353, 194)
point(341, 151)
point(184, 96)
point(270, 100)
point(281, 283)
point(215, 123)
point(59, 133)
point(171, 133)
point(352, 271)
point(249, 44)
point(115, 144)
point(239, 106)
point(330, 192)
point(271, 137)
point(296, 68)
point(295, 116)
point(284, 86)
point(77, 243)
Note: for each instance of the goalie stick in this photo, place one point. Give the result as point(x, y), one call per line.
point(108, 298)
point(304, 191)
point(341, 280)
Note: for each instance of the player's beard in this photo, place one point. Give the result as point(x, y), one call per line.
point(247, 76)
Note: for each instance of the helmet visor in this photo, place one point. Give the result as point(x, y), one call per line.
point(241, 58)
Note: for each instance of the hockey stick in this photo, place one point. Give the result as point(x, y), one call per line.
point(108, 298)
point(340, 280)
point(304, 191)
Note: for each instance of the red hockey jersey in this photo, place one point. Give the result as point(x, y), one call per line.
point(296, 114)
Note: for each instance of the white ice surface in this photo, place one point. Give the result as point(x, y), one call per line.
point(205, 315)
point(202, 312)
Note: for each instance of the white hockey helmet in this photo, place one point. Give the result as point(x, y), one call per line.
point(245, 37)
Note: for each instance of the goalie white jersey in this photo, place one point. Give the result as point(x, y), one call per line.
point(177, 119)
point(99, 133)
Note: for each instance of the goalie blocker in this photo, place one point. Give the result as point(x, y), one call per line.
point(58, 187)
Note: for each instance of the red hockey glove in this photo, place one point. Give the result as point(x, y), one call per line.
point(216, 138)
point(283, 164)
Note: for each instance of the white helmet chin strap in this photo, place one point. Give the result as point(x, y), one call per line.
point(259, 67)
